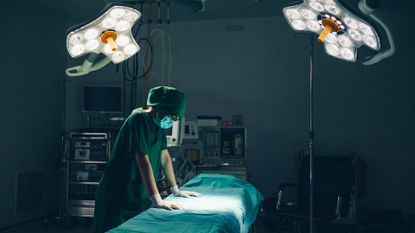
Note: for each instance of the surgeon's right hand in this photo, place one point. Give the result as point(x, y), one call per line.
point(157, 202)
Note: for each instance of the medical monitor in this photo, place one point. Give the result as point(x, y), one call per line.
point(102, 99)
point(175, 133)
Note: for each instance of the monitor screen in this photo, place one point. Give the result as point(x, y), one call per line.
point(169, 131)
point(174, 133)
point(106, 99)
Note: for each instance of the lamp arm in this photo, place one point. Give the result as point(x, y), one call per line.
point(385, 53)
point(368, 10)
point(87, 66)
point(100, 64)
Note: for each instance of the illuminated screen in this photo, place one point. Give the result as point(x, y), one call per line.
point(169, 131)
point(102, 99)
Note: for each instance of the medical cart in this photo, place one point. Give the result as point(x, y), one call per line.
point(86, 156)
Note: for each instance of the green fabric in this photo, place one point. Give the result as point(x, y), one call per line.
point(227, 205)
point(168, 100)
point(121, 193)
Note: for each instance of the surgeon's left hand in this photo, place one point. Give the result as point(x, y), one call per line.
point(182, 193)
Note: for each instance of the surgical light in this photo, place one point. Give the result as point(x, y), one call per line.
point(91, 33)
point(130, 49)
point(92, 45)
point(108, 34)
point(122, 40)
point(107, 27)
point(341, 31)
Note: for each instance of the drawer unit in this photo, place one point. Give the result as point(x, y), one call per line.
point(91, 172)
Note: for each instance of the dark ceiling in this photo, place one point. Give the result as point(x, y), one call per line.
point(80, 10)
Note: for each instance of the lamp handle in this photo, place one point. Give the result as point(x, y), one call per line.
point(88, 66)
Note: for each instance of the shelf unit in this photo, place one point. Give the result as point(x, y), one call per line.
point(224, 151)
point(86, 156)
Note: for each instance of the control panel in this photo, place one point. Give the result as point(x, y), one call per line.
point(191, 131)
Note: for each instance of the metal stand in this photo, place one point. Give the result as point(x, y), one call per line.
point(311, 135)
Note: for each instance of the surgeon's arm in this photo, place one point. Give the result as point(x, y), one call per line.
point(167, 165)
point(146, 174)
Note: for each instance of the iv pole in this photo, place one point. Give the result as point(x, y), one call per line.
point(311, 133)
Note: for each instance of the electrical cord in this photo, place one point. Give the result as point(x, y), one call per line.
point(132, 72)
point(155, 35)
point(130, 69)
point(140, 23)
point(154, 39)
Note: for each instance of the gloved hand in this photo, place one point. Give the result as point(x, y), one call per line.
point(182, 193)
point(157, 202)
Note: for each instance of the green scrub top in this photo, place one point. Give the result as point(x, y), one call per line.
point(121, 193)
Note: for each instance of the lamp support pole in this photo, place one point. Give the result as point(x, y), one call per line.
point(311, 134)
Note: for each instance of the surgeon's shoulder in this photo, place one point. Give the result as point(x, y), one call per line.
point(137, 114)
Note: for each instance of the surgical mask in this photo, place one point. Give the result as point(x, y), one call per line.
point(164, 123)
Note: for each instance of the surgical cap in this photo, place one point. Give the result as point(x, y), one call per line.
point(167, 100)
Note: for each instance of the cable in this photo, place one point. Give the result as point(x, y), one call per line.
point(140, 23)
point(169, 38)
point(132, 65)
point(159, 21)
point(165, 62)
point(132, 72)
point(169, 68)
point(130, 69)
point(124, 90)
point(161, 34)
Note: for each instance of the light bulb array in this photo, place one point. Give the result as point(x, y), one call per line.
point(341, 31)
point(109, 34)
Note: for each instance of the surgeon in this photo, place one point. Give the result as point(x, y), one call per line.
point(128, 185)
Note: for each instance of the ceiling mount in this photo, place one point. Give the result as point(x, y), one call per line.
point(195, 5)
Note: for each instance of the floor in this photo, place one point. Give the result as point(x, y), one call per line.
point(50, 226)
point(85, 226)
point(76, 226)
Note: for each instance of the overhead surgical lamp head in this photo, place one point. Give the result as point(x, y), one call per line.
point(109, 34)
point(341, 31)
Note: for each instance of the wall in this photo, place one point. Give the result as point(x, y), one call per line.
point(262, 73)
point(31, 100)
point(249, 72)
point(369, 109)
point(260, 69)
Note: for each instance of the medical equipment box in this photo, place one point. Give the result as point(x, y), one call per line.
point(91, 171)
point(86, 156)
point(89, 149)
